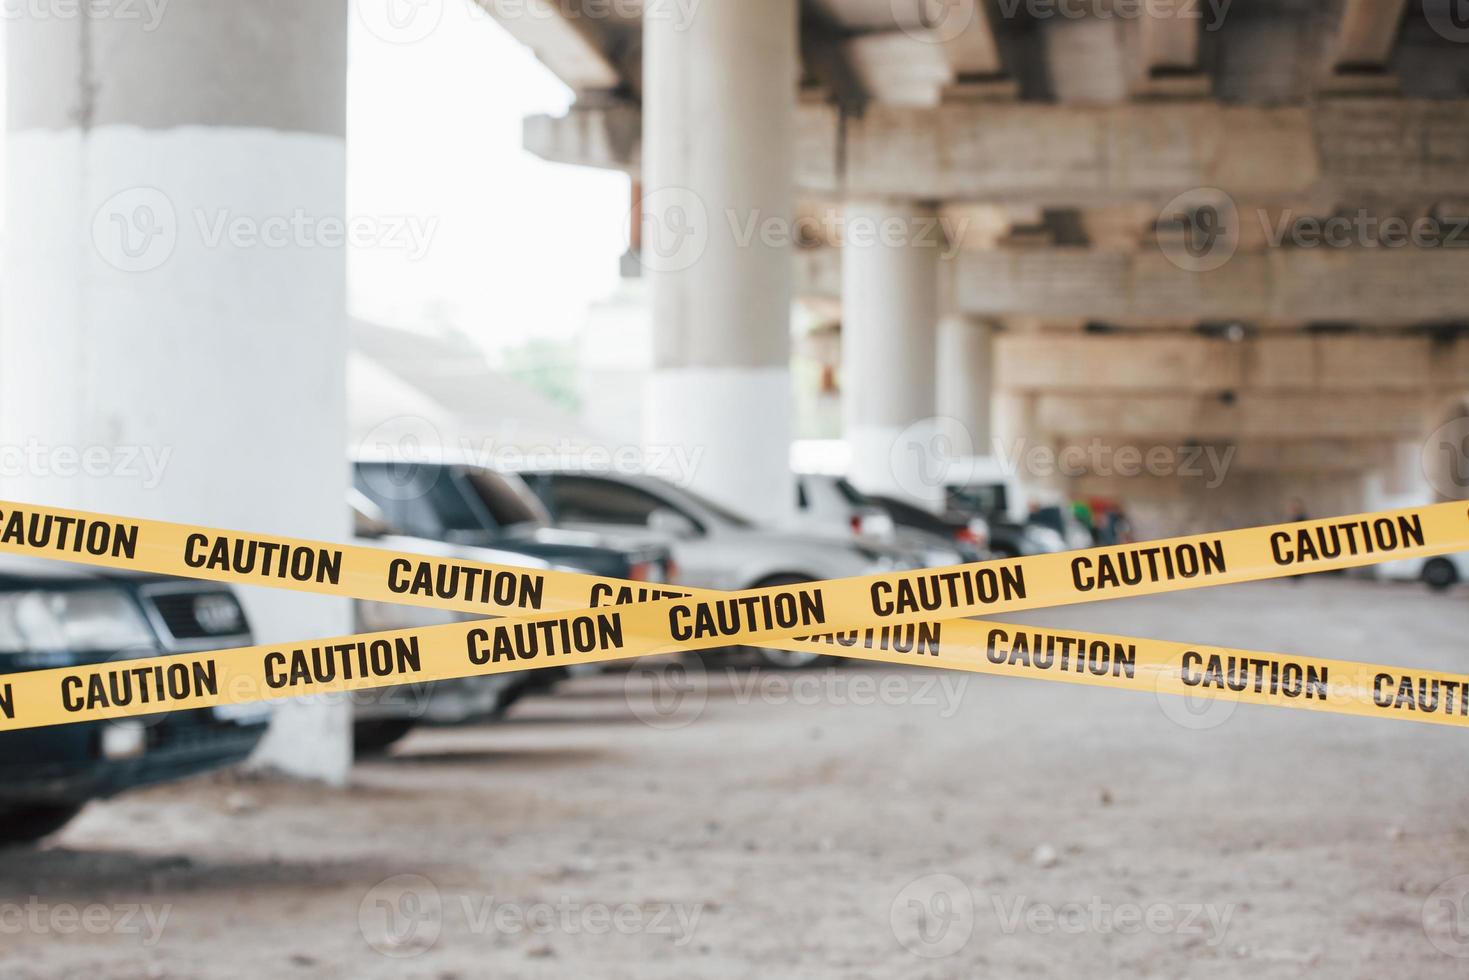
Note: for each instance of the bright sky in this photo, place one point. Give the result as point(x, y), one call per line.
point(519, 247)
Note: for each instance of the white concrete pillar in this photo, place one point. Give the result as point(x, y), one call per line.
point(966, 362)
point(889, 346)
point(174, 286)
point(717, 211)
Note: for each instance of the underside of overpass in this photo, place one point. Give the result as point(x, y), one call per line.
point(1119, 225)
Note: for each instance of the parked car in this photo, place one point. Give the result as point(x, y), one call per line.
point(465, 504)
point(383, 716)
point(62, 615)
point(713, 547)
point(1439, 573)
point(1008, 538)
point(1062, 519)
point(970, 534)
point(831, 505)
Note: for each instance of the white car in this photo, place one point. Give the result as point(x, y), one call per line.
point(832, 506)
point(1439, 572)
point(713, 547)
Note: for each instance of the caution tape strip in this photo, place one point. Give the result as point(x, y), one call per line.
point(436, 653)
point(698, 620)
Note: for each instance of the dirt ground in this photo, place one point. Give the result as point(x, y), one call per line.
point(845, 823)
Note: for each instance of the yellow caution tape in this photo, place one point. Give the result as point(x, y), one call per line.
point(692, 621)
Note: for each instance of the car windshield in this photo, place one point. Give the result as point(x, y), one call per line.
point(506, 504)
point(851, 494)
point(723, 513)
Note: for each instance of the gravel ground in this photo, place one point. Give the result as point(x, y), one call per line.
point(847, 823)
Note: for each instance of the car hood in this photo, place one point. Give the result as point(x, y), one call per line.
point(25, 571)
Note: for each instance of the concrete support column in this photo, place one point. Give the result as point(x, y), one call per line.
point(717, 210)
point(966, 362)
point(889, 347)
point(174, 286)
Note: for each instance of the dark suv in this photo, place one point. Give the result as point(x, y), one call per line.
point(60, 615)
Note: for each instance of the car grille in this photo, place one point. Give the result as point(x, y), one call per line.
point(198, 615)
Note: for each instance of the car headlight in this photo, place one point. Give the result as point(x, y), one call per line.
point(82, 620)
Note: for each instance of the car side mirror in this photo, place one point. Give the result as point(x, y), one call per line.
point(671, 523)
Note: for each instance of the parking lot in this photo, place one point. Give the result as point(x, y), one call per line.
point(648, 824)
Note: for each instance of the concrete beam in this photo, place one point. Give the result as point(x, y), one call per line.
point(1391, 286)
point(1366, 35)
point(1093, 156)
point(1264, 415)
point(1381, 286)
point(1169, 43)
point(567, 45)
point(1155, 363)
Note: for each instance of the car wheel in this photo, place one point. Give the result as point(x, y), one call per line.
point(1439, 574)
point(28, 824)
point(376, 737)
point(786, 659)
